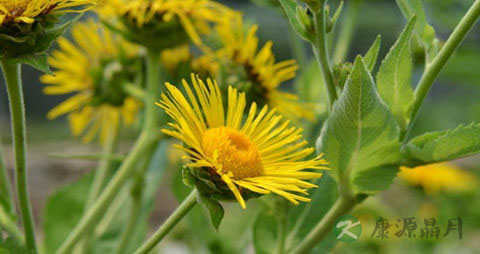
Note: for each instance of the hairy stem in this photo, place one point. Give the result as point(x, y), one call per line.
point(433, 69)
point(13, 80)
point(320, 50)
point(169, 224)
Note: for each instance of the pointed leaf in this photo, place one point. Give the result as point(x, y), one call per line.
point(372, 54)
point(445, 145)
point(395, 76)
point(290, 8)
point(37, 61)
point(425, 33)
point(361, 135)
point(214, 208)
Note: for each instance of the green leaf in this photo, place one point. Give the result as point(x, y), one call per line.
point(215, 210)
point(290, 8)
point(63, 210)
point(445, 145)
point(360, 136)
point(395, 76)
point(372, 54)
point(265, 232)
point(10, 246)
point(425, 33)
point(37, 61)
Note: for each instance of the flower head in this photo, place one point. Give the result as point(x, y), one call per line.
point(172, 20)
point(94, 67)
point(260, 155)
point(25, 11)
point(438, 177)
point(261, 69)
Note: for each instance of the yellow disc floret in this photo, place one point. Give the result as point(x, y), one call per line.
point(234, 151)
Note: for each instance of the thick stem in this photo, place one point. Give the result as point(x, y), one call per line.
point(435, 67)
point(5, 186)
point(12, 75)
point(347, 30)
point(320, 50)
point(147, 138)
point(342, 206)
point(169, 224)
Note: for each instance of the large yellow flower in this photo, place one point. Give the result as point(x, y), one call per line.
point(92, 68)
point(25, 11)
point(193, 15)
point(438, 177)
point(261, 155)
point(261, 68)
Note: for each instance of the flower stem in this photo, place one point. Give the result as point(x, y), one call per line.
point(170, 223)
point(321, 52)
point(136, 194)
point(346, 32)
point(101, 175)
point(13, 80)
point(10, 226)
point(5, 186)
point(145, 141)
point(435, 67)
point(342, 206)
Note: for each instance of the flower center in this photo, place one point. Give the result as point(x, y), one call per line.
point(15, 6)
point(236, 152)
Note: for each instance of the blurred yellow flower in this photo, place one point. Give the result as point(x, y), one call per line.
point(263, 155)
point(438, 177)
point(193, 15)
point(261, 68)
point(92, 69)
point(173, 57)
point(25, 11)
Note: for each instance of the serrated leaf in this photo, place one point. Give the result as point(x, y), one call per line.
point(214, 208)
point(372, 54)
point(425, 33)
point(395, 76)
point(445, 145)
point(290, 8)
point(361, 134)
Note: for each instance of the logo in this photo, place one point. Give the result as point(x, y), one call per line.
point(347, 228)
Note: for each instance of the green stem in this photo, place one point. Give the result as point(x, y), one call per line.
point(10, 226)
point(136, 207)
point(320, 50)
point(169, 224)
point(435, 67)
point(342, 206)
point(101, 176)
point(346, 32)
point(5, 186)
point(13, 80)
point(147, 138)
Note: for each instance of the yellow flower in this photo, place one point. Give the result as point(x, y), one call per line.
point(193, 15)
point(172, 58)
point(438, 177)
point(91, 68)
point(261, 68)
point(261, 155)
point(25, 11)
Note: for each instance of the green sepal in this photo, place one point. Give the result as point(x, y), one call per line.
point(214, 208)
point(290, 8)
